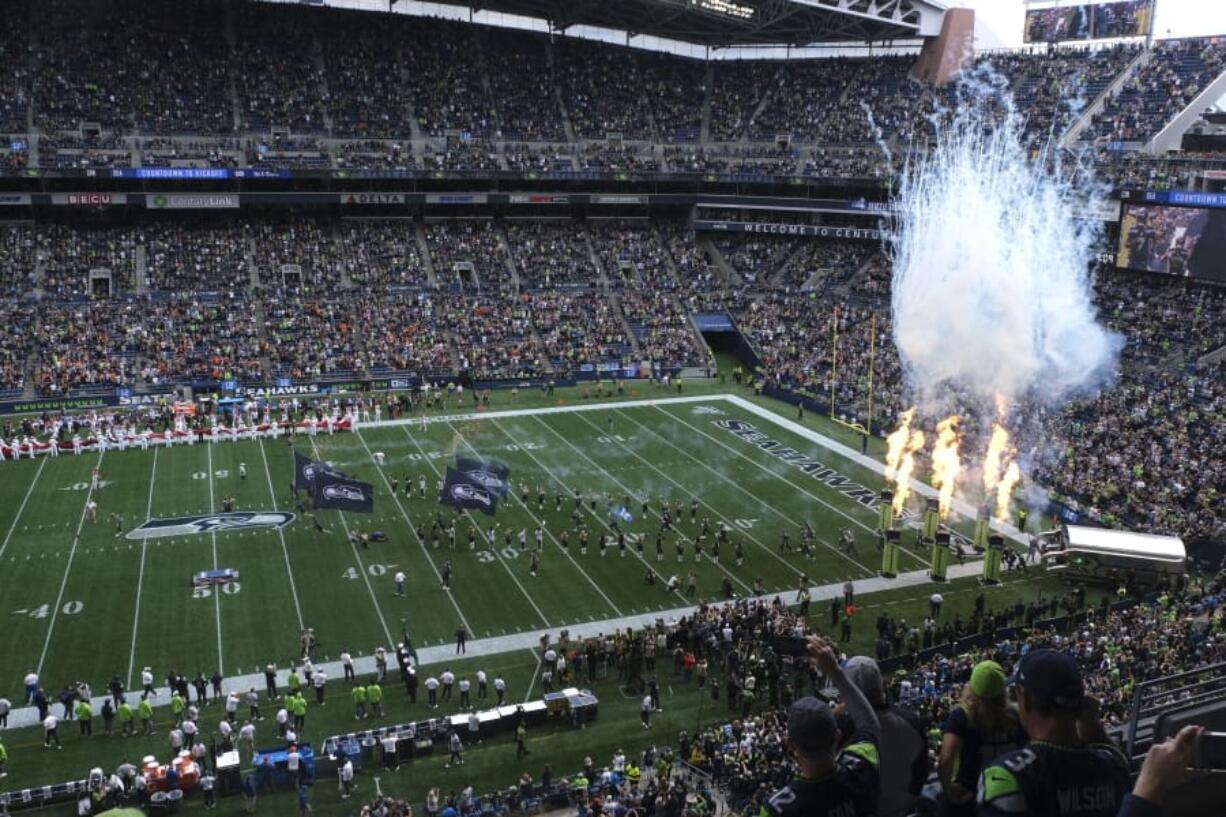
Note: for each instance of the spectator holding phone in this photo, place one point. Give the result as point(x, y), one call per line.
point(1166, 766)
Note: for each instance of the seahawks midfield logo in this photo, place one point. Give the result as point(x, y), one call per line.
point(468, 492)
point(490, 482)
point(212, 523)
point(343, 492)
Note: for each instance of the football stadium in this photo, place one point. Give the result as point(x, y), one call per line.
point(615, 408)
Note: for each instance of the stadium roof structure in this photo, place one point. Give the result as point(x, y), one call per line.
point(725, 23)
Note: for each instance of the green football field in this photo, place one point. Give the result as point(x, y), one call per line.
point(83, 601)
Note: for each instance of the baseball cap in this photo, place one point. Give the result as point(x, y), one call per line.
point(865, 674)
point(811, 726)
point(988, 680)
point(1050, 678)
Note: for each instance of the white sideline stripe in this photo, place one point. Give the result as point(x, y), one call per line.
point(540, 661)
point(5, 545)
point(221, 659)
point(963, 507)
point(529, 412)
point(536, 519)
point(530, 639)
point(289, 571)
point(59, 599)
point(493, 546)
point(140, 579)
point(362, 567)
point(413, 529)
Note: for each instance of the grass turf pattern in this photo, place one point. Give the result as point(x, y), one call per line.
point(82, 603)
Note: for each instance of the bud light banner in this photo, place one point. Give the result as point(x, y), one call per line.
point(336, 492)
point(460, 491)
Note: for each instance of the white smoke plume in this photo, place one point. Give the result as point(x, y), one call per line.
point(991, 291)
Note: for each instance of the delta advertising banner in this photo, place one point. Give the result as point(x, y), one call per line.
point(1101, 21)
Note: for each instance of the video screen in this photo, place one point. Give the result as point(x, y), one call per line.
point(1058, 24)
point(1129, 19)
point(1186, 241)
point(1089, 22)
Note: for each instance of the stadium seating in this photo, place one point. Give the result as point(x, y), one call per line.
point(255, 297)
point(1161, 88)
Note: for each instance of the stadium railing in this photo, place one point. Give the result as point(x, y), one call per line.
point(1156, 704)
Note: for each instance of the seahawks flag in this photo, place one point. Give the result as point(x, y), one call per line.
point(339, 492)
point(462, 491)
point(489, 474)
point(305, 471)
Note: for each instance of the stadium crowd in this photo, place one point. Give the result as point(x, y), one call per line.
point(1164, 86)
point(950, 674)
point(163, 301)
point(304, 314)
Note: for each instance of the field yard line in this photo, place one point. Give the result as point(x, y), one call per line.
point(59, 599)
point(140, 578)
point(528, 639)
point(622, 485)
point(221, 661)
point(752, 496)
point(717, 513)
point(549, 533)
point(362, 570)
point(778, 475)
point(420, 543)
point(587, 509)
point(540, 661)
point(492, 545)
point(865, 461)
point(289, 571)
point(5, 545)
point(782, 476)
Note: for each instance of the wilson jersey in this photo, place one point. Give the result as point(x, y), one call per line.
point(850, 790)
point(1045, 780)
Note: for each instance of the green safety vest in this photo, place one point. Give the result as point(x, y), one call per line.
point(359, 695)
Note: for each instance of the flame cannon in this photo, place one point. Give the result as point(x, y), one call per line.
point(891, 539)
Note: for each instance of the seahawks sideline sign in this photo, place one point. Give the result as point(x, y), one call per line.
point(211, 523)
